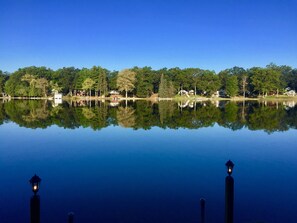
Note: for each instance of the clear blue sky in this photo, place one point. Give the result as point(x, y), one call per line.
point(116, 34)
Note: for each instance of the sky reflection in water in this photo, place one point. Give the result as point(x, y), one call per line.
point(124, 175)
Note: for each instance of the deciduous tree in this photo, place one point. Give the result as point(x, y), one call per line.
point(231, 86)
point(126, 81)
point(88, 85)
point(265, 80)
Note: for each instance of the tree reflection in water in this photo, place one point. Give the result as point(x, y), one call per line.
point(254, 115)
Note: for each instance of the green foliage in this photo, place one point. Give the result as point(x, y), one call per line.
point(180, 79)
point(231, 86)
point(29, 113)
point(112, 80)
point(64, 78)
point(101, 80)
point(3, 78)
point(143, 82)
point(208, 82)
point(29, 81)
point(14, 86)
point(288, 76)
point(126, 117)
point(293, 80)
point(232, 80)
point(290, 79)
point(265, 80)
point(126, 81)
point(196, 73)
point(3, 116)
point(37, 86)
point(144, 111)
point(266, 116)
point(42, 84)
point(166, 88)
point(98, 75)
point(88, 85)
point(230, 117)
point(82, 75)
point(166, 111)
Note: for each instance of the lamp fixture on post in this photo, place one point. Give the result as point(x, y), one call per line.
point(229, 193)
point(229, 166)
point(35, 183)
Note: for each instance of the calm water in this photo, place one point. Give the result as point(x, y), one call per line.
point(144, 162)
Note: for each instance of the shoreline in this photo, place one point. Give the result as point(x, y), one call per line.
point(197, 99)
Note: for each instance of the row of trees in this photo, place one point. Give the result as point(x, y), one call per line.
point(144, 82)
point(142, 114)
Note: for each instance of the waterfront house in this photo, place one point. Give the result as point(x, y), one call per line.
point(58, 98)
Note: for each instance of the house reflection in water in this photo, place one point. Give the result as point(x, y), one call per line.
point(57, 99)
point(115, 97)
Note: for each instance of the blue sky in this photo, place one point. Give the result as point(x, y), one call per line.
point(117, 34)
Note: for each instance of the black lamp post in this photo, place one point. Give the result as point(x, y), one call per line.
point(35, 183)
point(229, 193)
point(229, 166)
point(70, 217)
point(35, 200)
point(202, 210)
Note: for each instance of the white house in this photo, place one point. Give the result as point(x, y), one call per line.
point(291, 93)
point(58, 98)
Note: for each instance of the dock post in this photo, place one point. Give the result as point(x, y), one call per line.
point(229, 193)
point(35, 209)
point(70, 217)
point(229, 199)
point(202, 210)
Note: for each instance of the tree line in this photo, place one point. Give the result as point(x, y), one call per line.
point(270, 117)
point(145, 82)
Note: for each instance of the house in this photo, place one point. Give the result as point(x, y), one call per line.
point(216, 94)
point(191, 92)
point(114, 104)
point(290, 92)
point(183, 93)
point(112, 92)
point(114, 96)
point(58, 98)
point(289, 104)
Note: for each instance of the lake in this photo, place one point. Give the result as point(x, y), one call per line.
point(148, 162)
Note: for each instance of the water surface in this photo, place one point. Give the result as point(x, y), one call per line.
point(148, 162)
